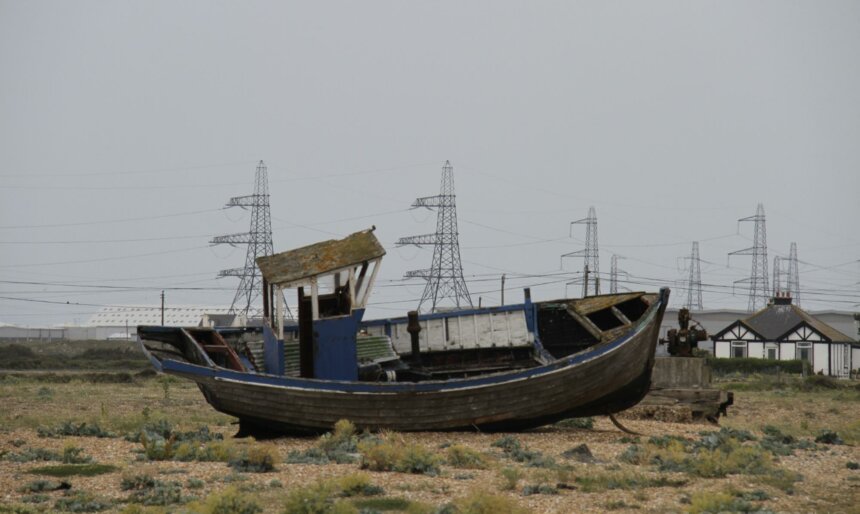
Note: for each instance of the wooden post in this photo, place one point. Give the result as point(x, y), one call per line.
point(279, 312)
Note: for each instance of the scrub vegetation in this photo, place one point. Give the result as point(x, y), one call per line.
point(75, 443)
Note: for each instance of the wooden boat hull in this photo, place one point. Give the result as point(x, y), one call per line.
point(606, 378)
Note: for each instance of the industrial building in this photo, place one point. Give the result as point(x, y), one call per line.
point(118, 322)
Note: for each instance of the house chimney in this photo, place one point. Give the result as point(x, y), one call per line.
point(782, 299)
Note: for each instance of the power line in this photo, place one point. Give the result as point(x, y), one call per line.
point(98, 241)
point(105, 222)
point(121, 172)
point(108, 287)
point(102, 259)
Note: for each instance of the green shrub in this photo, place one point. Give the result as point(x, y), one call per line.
point(461, 456)
point(68, 470)
point(195, 483)
point(357, 484)
point(529, 490)
point(736, 459)
point(163, 429)
point(82, 501)
point(156, 447)
point(510, 478)
point(713, 440)
point(147, 490)
point(259, 458)
point(782, 444)
point(161, 442)
point(482, 502)
point(19, 509)
point(609, 481)
point(708, 502)
point(393, 453)
point(852, 465)
point(342, 439)
point(748, 365)
point(828, 437)
point(382, 504)
point(634, 454)
point(814, 382)
point(781, 479)
point(340, 446)
point(228, 501)
point(618, 504)
point(33, 454)
point(310, 456)
point(212, 451)
point(137, 482)
point(757, 495)
point(37, 486)
point(318, 498)
point(665, 440)
point(35, 498)
point(74, 455)
point(68, 428)
point(515, 451)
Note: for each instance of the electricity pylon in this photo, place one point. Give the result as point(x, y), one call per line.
point(591, 260)
point(445, 276)
point(777, 276)
point(759, 290)
point(694, 284)
point(613, 274)
point(793, 275)
point(258, 239)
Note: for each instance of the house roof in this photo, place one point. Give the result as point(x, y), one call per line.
point(777, 320)
point(320, 258)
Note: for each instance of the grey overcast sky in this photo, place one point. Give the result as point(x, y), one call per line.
point(125, 126)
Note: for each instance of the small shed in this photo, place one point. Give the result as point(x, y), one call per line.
point(783, 331)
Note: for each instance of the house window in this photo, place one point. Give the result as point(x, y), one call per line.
point(804, 352)
point(739, 349)
point(771, 353)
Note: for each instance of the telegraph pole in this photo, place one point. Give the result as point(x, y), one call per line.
point(162, 307)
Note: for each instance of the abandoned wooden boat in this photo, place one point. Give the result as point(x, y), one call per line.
point(502, 368)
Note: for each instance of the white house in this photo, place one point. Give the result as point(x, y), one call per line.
point(782, 331)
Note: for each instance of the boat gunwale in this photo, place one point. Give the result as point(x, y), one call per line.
point(602, 349)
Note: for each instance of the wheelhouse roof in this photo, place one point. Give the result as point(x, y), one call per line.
point(320, 258)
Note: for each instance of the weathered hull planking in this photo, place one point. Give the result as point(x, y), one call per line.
point(605, 378)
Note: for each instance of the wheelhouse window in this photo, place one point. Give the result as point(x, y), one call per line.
point(739, 349)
